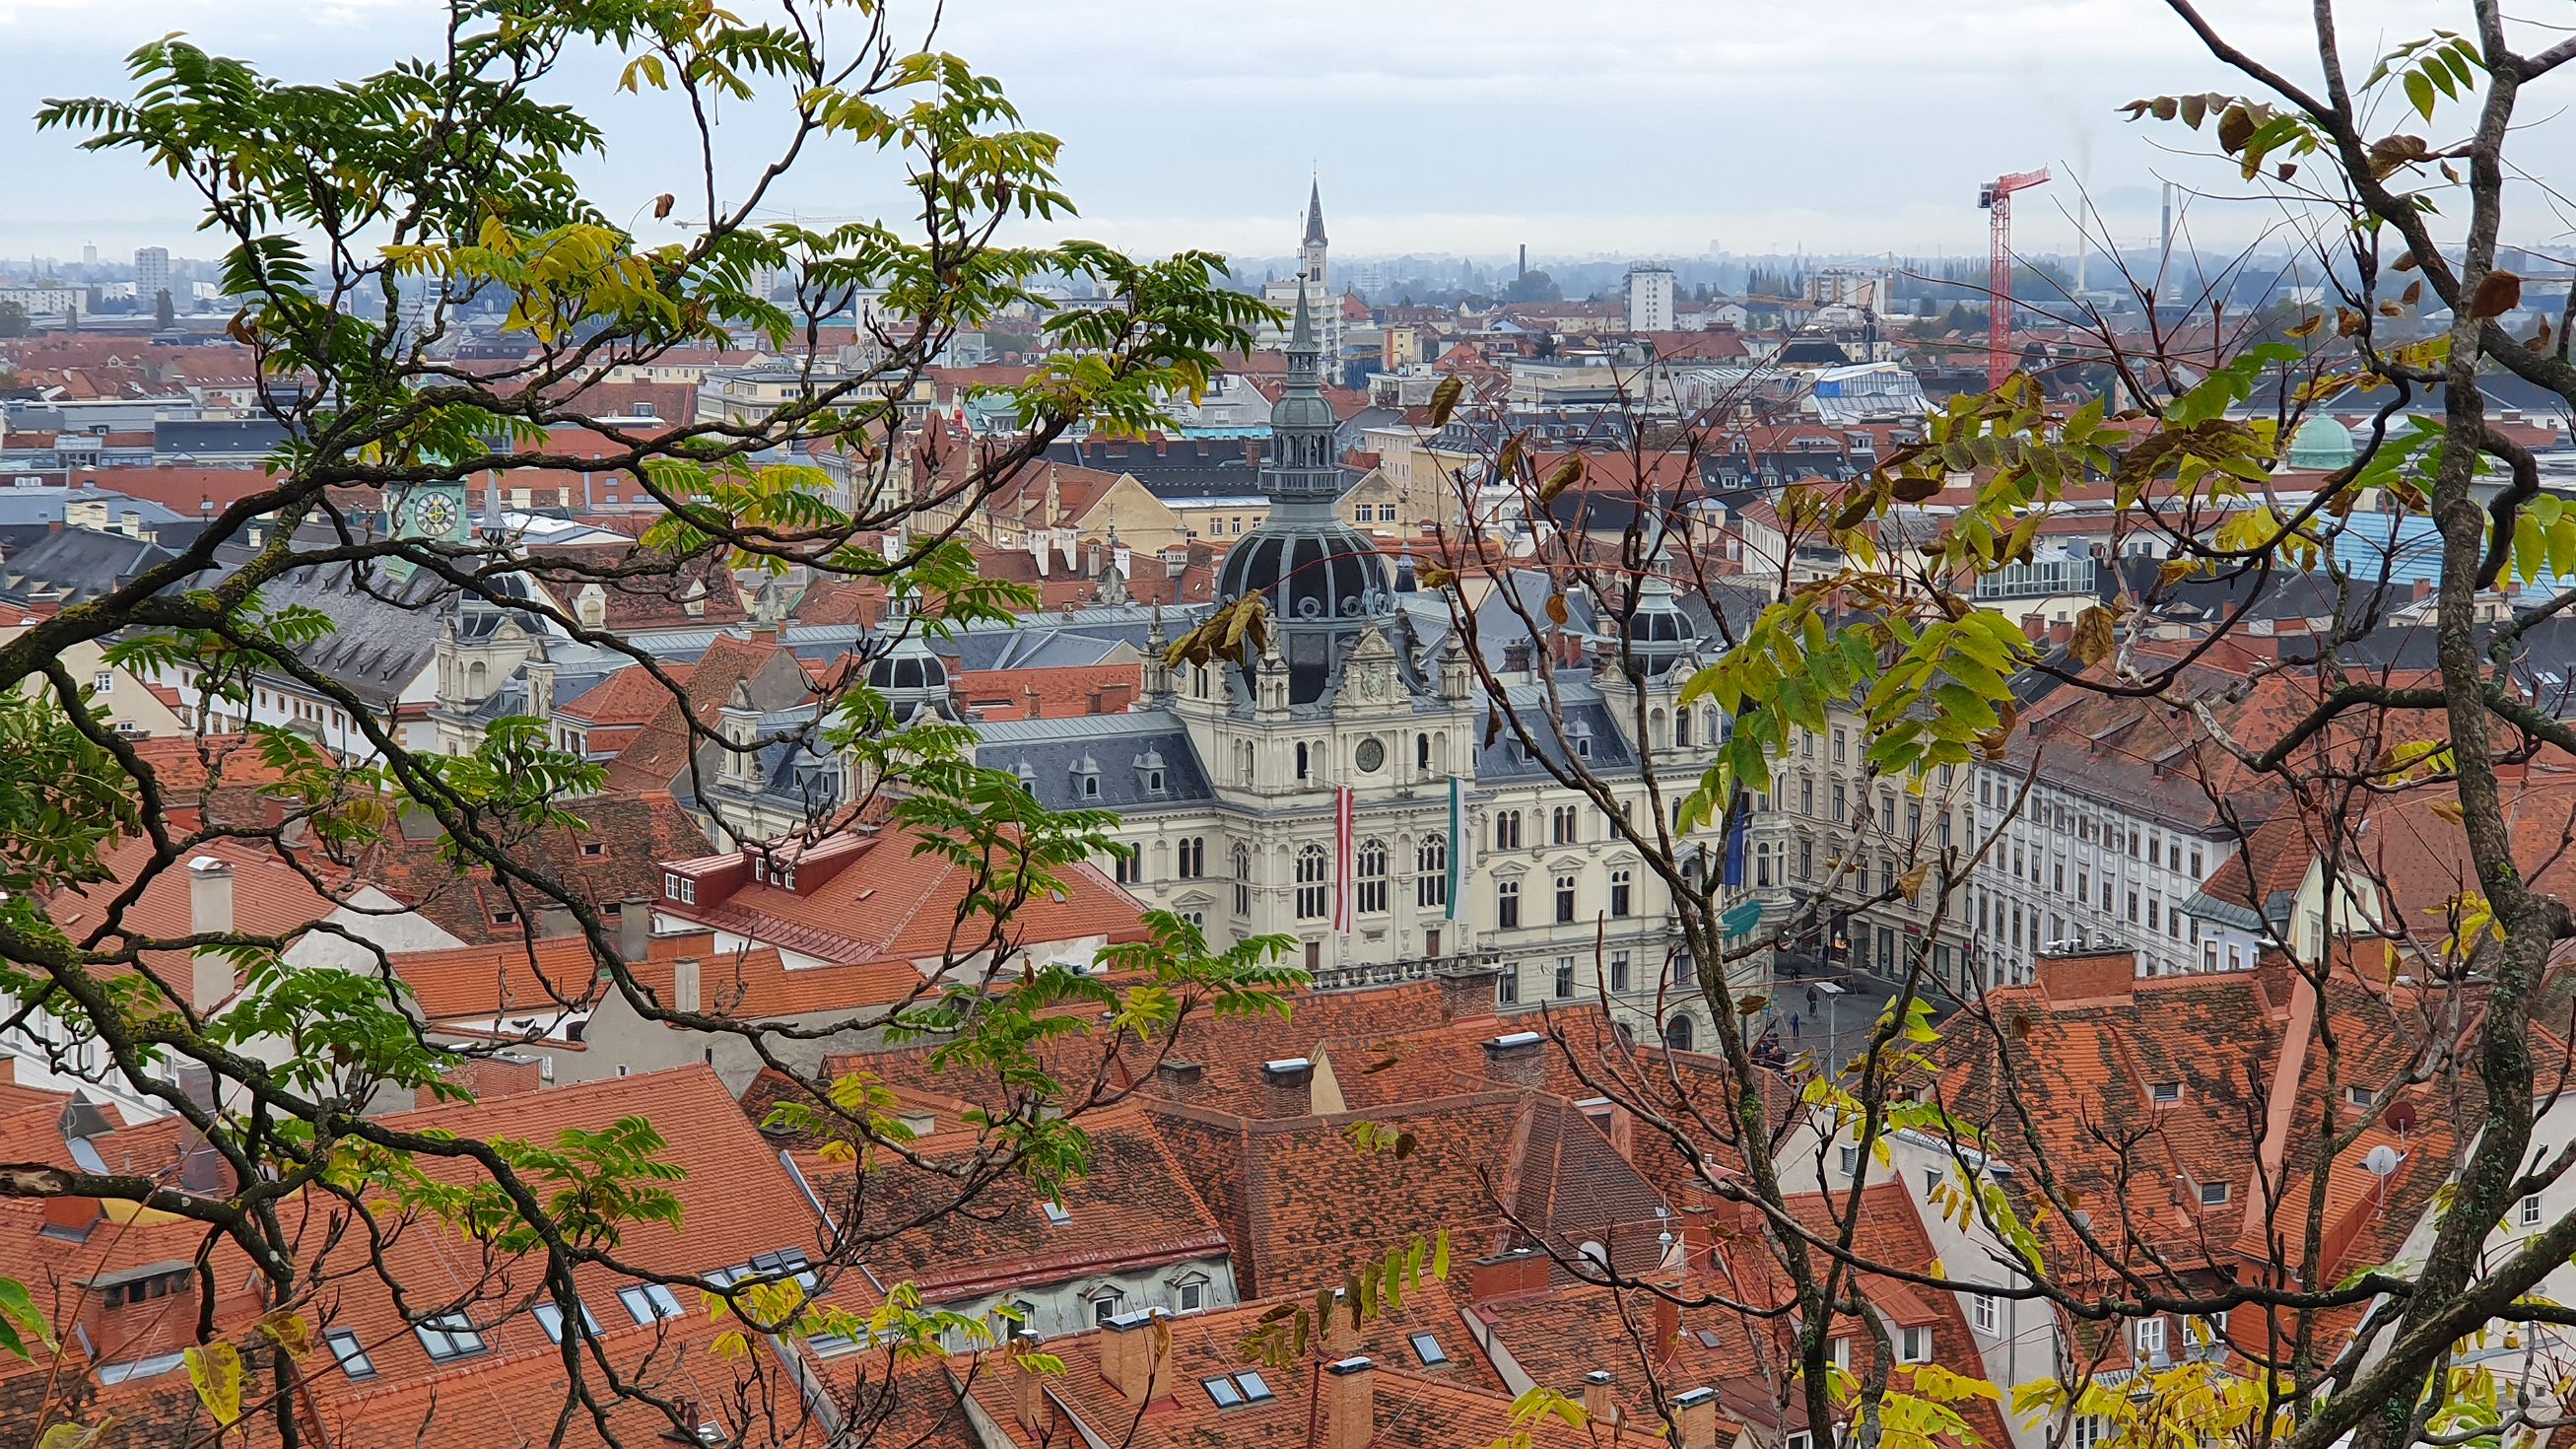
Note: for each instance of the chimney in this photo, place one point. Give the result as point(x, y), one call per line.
point(2061, 634)
point(1597, 1405)
point(1695, 1419)
point(685, 976)
point(70, 1218)
point(2034, 628)
point(2091, 974)
point(1029, 700)
point(1668, 1328)
point(1513, 1274)
point(554, 919)
point(634, 929)
point(1179, 1079)
point(1136, 1354)
point(1519, 1058)
point(1035, 1411)
point(503, 1074)
point(1466, 991)
point(1341, 1336)
point(210, 912)
point(1291, 1083)
point(1350, 1403)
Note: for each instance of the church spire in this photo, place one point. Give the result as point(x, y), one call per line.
point(1315, 213)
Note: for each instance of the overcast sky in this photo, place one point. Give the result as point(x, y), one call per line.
point(1605, 126)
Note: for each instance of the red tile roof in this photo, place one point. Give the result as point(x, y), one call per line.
point(878, 894)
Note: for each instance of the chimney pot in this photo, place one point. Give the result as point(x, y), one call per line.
point(685, 981)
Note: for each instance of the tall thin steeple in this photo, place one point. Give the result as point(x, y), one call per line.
point(1311, 251)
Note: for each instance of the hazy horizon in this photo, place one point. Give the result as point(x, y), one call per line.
point(1436, 129)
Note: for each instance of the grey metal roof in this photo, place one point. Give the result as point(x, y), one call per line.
point(1586, 715)
point(245, 438)
point(1055, 756)
point(76, 564)
point(385, 633)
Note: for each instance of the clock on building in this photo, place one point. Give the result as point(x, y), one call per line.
point(434, 516)
point(1372, 754)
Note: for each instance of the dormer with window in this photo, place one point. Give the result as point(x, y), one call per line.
point(1086, 778)
point(1151, 772)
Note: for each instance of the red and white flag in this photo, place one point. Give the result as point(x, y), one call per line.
point(1342, 883)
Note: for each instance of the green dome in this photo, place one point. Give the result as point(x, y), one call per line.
point(2321, 445)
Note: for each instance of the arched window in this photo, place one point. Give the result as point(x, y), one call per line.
point(1301, 759)
point(1371, 876)
point(1310, 883)
point(1431, 888)
point(1677, 1033)
point(1681, 727)
point(1507, 830)
point(1243, 880)
point(1655, 728)
point(1422, 752)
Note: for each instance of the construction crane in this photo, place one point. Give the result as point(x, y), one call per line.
point(1996, 197)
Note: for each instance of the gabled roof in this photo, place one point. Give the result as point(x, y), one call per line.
point(875, 895)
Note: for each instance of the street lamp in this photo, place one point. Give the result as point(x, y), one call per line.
point(1833, 992)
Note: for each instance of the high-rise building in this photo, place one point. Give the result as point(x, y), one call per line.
point(89, 255)
point(1650, 298)
point(151, 272)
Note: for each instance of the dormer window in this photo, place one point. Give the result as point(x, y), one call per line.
point(1086, 778)
point(677, 887)
point(2165, 1093)
point(1581, 734)
point(2360, 1096)
point(1026, 775)
point(1150, 771)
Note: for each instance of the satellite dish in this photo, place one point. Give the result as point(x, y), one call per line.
point(2401, 1118)
point(2381, 1160)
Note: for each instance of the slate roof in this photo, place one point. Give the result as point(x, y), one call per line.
point(1055, 756)
point(248, 439)
point(385, 631)
point(76, 565)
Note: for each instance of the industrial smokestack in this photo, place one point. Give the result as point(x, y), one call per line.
point(1524, 271)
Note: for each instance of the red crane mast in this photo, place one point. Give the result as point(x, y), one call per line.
point(1996, 197)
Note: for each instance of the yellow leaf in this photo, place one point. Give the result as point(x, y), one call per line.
point(289, 1332)
point(216, 1371)
point(1444, 399)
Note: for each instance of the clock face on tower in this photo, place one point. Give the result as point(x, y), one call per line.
point(434, 515)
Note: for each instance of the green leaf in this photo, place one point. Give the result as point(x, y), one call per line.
point(2419, 89)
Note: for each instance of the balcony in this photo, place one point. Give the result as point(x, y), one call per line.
point(1394, 973)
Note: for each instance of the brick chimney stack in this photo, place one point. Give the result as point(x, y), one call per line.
point(1695, 1419)
point(1030, 1404)
point(1597, 1404)
point(1519, 1058)
point(1350, 1403)
point(1136, 1354)
point(1290, 1085)
point(2092, 974)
